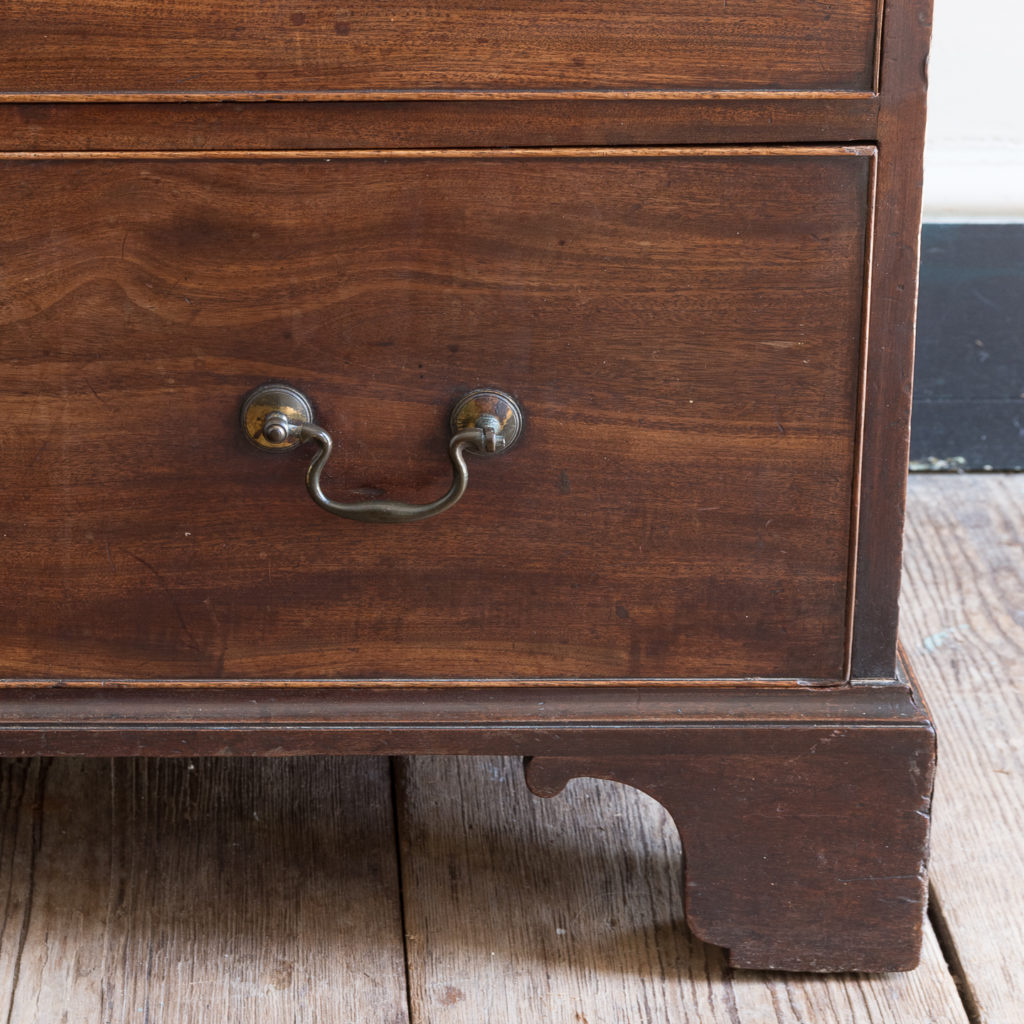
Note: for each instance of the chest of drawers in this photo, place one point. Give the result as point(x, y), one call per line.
point(643, 275)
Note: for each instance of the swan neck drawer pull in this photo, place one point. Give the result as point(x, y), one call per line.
point(277, 417)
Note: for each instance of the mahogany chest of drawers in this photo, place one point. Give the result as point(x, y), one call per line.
point(588, 329)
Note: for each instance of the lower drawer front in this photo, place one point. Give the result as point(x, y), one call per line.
point(683, 329)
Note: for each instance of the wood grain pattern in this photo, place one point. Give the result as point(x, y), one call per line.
point(702, 311)
point(521, 909)
point(38, 127)
point(684, 338)
point(180, 892)
point(963, 619)
point(280, 47)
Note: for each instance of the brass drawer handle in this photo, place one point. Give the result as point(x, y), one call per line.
point(277, 417)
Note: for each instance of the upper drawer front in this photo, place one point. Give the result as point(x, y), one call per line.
point(197, 47)
point(682, 328)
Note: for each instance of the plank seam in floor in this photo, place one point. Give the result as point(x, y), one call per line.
point(950, 953)
point(400, 882)
point(35, 842)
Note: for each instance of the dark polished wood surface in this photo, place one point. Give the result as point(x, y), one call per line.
point(757, 119)
point(276, 47)
point(685, 344)
point(712, 347)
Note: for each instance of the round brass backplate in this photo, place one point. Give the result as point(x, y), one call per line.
point(485, 402)
point(279, 398)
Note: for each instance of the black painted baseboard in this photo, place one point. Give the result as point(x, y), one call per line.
point(969, 377)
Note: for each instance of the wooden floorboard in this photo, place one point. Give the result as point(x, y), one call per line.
point(199, 892)
point(568, 911)
point(963, 625)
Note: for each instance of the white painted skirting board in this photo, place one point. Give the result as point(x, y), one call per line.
point(965, 182)
point(974, 153)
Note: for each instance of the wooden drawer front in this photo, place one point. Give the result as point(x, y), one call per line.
point(196, 47)
point(682, 328)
